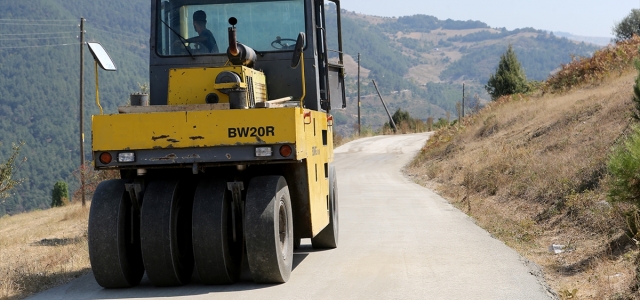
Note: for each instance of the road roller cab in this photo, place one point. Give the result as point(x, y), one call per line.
point(231, 160)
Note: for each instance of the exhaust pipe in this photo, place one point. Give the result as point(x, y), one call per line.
point(233, 39)
point(238, 53)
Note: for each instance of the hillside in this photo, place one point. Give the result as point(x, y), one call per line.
point(39, 85)
point(419, 62)
point(532, 171)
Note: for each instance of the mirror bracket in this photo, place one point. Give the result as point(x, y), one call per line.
point(297, 51)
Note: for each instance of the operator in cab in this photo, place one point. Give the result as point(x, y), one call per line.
point(205, 39)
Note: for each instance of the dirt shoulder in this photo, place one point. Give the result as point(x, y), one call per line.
point(532, 171)
point(42, 249)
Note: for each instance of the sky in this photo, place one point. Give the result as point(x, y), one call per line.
point(583, 18)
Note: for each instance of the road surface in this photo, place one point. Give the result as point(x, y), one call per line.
point(398, 240)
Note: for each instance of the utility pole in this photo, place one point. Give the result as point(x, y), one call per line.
point(81, 110)
point(395, 129)
point(463, 99)
point(359, 124)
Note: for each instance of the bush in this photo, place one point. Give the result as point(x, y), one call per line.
point(441, 123)
point(624, 167)
point(636, 91)
point(7, 170)
point(60, 194)
point(405, 123)
point(604, 62)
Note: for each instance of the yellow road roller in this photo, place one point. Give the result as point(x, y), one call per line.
point(227, 162)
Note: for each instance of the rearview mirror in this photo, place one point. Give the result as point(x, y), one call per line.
point(102, 57)
point(297, 51)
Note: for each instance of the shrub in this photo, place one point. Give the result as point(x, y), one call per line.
point(603, 63)
point(92, 179)
point(404, 122)
point(441, 123)
point(60, 194)
point(624, 167)
point(7, 170)
point(636, 91)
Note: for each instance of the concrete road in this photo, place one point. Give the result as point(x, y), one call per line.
point(398, 240)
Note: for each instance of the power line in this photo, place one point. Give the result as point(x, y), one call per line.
point(118, 34)
point(39, 38)
point(40, 46)
point(38, 33)
point(39, 24)
point(116, 41)
point(29, 20)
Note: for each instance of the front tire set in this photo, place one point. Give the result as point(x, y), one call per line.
point(180, 227)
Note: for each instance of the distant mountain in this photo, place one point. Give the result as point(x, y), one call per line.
point(600, 41)
point(419, 62)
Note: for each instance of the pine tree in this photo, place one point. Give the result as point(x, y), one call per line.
point(509, 78)
point(60, 194)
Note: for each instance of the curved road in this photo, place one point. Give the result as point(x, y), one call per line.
point(398, 240)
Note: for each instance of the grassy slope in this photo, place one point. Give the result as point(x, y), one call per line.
point(532, 171)
point(42, 249)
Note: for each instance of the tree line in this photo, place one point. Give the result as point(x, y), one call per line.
point(39, 89)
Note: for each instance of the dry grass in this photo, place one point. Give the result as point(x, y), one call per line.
point(532, 171)
point(42, 249)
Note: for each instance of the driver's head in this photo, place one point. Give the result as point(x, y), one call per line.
point(200, 18)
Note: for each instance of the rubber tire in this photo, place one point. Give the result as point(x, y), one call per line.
point(269, 254)
point(217, 257)
point(116, 262)
point(165, 232)
point(328, 237)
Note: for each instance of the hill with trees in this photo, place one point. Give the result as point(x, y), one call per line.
point(39, 84)
point(419, 63)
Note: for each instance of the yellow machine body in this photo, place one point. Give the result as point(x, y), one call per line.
point(309, 131)
point(193, 85)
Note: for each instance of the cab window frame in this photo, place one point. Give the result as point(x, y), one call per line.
point(159, 25)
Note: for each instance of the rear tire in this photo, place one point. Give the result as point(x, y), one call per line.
point(328, 237)
point(217, 257)
point(269, 229)
point(114, 246)
point(165, 232)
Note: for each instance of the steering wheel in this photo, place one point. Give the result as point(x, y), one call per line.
point(278, 44)
point(181, 48)
point(195, 48)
